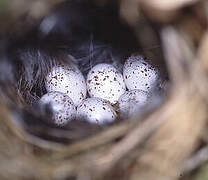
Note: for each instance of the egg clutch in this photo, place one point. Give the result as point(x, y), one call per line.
point(105, 95)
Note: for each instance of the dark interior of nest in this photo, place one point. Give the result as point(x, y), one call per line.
point(86, 34)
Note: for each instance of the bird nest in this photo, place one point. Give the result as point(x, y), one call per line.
point(168, 141)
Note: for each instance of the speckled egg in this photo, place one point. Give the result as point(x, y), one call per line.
point(139, 74)
point(106, 82)
point(132, 102)
point(96, 110)
point(61, 105)
point(68, 80)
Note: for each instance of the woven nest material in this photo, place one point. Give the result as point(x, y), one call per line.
point(169, 142)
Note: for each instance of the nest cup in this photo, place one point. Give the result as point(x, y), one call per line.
point(148, 146)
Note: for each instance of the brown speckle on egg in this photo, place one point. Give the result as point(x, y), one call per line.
point(104, 82)
point(139, 73)
point(67, 79)
point(96, 110)
point(62, 107)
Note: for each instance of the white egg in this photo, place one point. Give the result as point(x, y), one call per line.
point(139, 74)
point(61, 105)
point(96, 110)
point(69, 80)
point(132, 102)
point(106, 82)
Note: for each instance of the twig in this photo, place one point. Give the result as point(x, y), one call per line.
point(100, 139)
point(195, 161)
